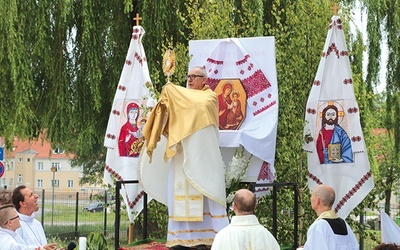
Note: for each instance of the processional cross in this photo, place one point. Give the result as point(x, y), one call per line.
point(335, 8)
point(137, 19)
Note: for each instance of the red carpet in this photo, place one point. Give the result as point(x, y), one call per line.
point(151, 245)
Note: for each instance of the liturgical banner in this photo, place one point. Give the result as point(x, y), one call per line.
point(389, 229)
point(242, 71)
point(333, 137)
point(124, 138)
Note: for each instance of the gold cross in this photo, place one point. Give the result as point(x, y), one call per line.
point(335, 8)
point(137, 19)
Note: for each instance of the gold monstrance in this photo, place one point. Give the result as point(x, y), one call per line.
point(169, 63)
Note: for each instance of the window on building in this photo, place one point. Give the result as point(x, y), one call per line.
point(20, 178)
point(28, 159)
point(58, 150)
point(39, 183)
point(70, 183)
point(40, 165)
point(10, 165)
point(11, 182)
point(56, 183)
point(19, 159)
point(56, 165)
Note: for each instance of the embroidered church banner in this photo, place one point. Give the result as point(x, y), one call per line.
point(389, 229)
point(242, 71)
point(333, 137)
point(124, 138)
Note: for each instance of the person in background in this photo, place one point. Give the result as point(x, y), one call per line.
point(9, 223)
point(26, 204)
point(387, 246)
point(244, 231)
point(328, 231)
point(5, 197)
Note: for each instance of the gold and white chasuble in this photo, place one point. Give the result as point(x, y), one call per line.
point(182, 131)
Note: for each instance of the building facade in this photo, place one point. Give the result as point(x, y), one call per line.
point(38, 166)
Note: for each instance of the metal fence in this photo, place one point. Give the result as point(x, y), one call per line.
point(69, 214)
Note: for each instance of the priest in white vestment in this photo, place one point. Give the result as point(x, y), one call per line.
point(328, 231)
point(26, 203)
point(183, 167)
point(244, 232)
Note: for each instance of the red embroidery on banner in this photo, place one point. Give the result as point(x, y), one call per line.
point(265, 172)
point(138, 58)
point(136, 200)
point(110, 136)
point(356, 138)
point(120, 87)
point(348, 81)
point(119, 177)
point(128, 62)
point(262, 99)
point(135, 37)
point(116, 112)
point(354, 190)
point(344, 53)
point(244, 60)
point(308, 138)
point(113, 173)
point(215, 61)
point(255, 83)
point(311, 111)
point(212, 82)
point(242, 72)
point(314, 178)
point(331, 49)
point(352, 110)
point(317, 83)
point(264, 108)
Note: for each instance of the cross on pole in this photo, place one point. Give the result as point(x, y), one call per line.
point(335, 8)
point(137, 19)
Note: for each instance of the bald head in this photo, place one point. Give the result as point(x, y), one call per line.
point(322, 198)
point(244, 202)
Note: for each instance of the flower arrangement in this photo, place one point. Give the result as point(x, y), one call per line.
point(235, 172)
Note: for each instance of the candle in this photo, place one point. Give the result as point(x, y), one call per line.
point(82, 243)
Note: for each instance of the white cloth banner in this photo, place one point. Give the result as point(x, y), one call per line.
point(389, 229)
point(128, 115)
point(248, 65)
point(333, 137)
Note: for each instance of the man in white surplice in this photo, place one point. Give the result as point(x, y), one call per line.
point(245, 231)
point(26, 203)
point(183, 167)
point(328, 231)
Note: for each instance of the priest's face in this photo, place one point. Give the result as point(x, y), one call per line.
point(30, 200)
point(195, 79)
point(330, 116)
